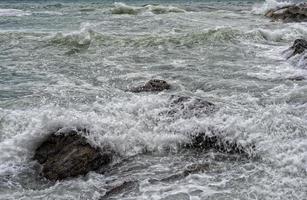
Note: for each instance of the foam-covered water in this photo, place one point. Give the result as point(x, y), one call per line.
point(13, 13)
point(70, 64)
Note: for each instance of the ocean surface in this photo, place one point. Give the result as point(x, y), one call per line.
point(70, 63)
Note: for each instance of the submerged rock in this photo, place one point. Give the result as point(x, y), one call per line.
point(180, 195)
point(206, 142)
point(68, 154)
point(188, 106)
point(289, 13)
point(154, 85)
point(191, 169)
point(122, 188)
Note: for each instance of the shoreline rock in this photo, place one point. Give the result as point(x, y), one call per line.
point(68, 154)
point(296, 78)
point(299, 46)
point(289, 13)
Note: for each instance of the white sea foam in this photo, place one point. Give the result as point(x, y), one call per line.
point(235, 64)
point(13, 13)
point(122, 8)
point(262, 8)
point(49, 13)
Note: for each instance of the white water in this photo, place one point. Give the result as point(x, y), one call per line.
point(13, 13)
point(234, 59)
point(262, 8)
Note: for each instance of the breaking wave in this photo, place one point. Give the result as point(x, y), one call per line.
point(49, 13)
point(13, 13)
point(88, 36)
point(267, 5)
point(122, 8)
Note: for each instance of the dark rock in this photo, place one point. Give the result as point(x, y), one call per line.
point(215, 141)
point(68, 154)
point(289, 13)
point(299, 46)
point(154, 85)
point(296, 78)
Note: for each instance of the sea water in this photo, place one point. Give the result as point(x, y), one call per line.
point(70, 63)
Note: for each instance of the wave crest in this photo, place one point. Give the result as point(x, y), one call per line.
point(121, 8)
point(13, 13)
point(82, 40)
point(78, 39)
point(268, 5)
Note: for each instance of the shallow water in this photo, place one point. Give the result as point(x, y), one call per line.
point(70, 63)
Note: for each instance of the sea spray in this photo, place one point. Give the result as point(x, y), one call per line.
point(233, 59)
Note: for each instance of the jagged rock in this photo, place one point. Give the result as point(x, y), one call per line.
point(299, 46)
point(65, 154)
point(289, 13)
point(154, 85)
point(215, 141)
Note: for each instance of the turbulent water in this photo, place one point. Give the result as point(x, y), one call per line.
point(69, 64)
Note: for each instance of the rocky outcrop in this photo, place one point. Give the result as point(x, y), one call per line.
point(214, 141)
point(299, 46)
point(296, 78)
point(289, 13)
point(65, 154)
point(154, 85)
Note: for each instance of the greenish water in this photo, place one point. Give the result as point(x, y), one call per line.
point(69, 63)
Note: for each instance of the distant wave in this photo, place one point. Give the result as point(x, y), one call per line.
point(13, 13)
point(87, 36)
point(121, 8)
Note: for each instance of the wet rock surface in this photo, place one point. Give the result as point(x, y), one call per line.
point(206, 142)
point(289, 13)
point(68, 154)
point(154, 85)
point(299, 46)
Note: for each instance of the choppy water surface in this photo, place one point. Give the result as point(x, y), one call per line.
point(69, 64)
